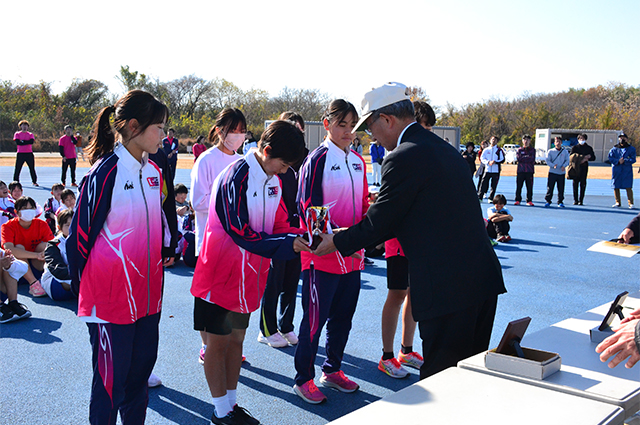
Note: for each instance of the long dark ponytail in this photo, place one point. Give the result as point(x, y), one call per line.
point(136, 104)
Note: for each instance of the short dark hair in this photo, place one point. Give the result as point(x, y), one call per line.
point(285, 140)
point(558, 138)
point(172, 130)
point(180, 188)
point(424, 113)
point(64, 216)
point(500, 199)
point(2, 183)
point(526, 136)
point(57, 186)
point(13, 185)
point(66, 193)
point(473, 145)
point(23, 202)
point(582, 136)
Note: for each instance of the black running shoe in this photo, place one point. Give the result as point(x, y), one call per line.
point(242, 413)
point(230, 419)
point(7, 314)
point(19, 309)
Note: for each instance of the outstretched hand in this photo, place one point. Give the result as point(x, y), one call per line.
point(326, 246)
point(300, 244)
point(620, 345)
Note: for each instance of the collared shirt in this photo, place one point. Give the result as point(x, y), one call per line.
point(402, 134)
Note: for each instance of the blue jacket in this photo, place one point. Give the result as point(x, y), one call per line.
point(377, 152)
point(622, 174)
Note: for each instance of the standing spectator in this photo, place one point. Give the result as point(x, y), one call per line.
point(425, 116)
point(79, 150)
point(469, 155)
point(170, 146)
point(492, 157)
point(249, 143)
point(455, 306)
point(526, 167)
point(622, 156)
point(557, 160)
point(356, 146)
point(377, 156)
point(24, 140)
point(580, 181)
point(67, 145)
point(199, 147)
point(481, 167)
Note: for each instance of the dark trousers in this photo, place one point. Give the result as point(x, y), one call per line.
point(551, 183)
point(501, 228)
point(282, 284)
point(580, 182)
point(21, 158)
point(189, 255)
point(326, 298)
point(484, 185)
point(123, 358)
point(456, 336)
point(71, 163)
point(527, 179)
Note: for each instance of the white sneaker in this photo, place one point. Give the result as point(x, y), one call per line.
point(291, 337)
point(630, 206)
point(616, 205)
point(154, 380)
point(276, 340)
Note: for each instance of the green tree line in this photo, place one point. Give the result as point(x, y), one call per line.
point(615, 106)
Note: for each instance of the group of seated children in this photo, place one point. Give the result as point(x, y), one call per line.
point(498, 218)
point(31, 254)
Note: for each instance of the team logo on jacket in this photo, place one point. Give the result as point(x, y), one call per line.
point(128, 185)
point(153, 182)
point(272, 191)
point(335, 167)
point(357, 167)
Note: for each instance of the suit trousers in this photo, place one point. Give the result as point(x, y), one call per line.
point(551, 183)
point(456, 336)
point(484, 186)
point(282, 284)
point(123, 359)
point(580, 182)
point(326, 298)
point(527, 179)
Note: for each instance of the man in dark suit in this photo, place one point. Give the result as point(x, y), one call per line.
point(428, 201)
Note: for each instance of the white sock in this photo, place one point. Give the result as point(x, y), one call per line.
point(231, 394)
point(221, 404)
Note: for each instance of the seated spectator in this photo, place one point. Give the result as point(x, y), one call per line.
point(27, 236)
point(68, 199)
point(187, 242)
point(7, 207)
point(52, 205)
point(498, 218)
point(12, 271)
point(56, 280)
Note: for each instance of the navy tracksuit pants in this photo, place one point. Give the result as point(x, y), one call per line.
point(282, 284)
point(326, 298)
point(123, 358)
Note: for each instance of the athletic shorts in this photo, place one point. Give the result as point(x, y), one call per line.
point(213, 319)
point(397, 272)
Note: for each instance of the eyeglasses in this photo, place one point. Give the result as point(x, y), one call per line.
point(368, 129)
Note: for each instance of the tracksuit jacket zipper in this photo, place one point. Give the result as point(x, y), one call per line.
point(146, 208)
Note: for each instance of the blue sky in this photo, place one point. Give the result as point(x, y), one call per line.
point(459, 51)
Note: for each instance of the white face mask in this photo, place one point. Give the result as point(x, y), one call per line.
point(233, 141)
point(582, 142)
point(28, 215)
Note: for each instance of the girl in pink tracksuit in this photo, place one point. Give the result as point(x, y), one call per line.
point(114, 252)
point(247, 225)
point(332, 176)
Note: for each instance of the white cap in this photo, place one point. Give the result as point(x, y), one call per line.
point(380, 97)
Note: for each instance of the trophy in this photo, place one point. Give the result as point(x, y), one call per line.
point(317, 222)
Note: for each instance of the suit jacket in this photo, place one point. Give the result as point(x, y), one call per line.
point(429, 202)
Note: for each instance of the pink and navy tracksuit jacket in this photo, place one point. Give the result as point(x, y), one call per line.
point(336, 179)
point(115, 241)
point(247, 225)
